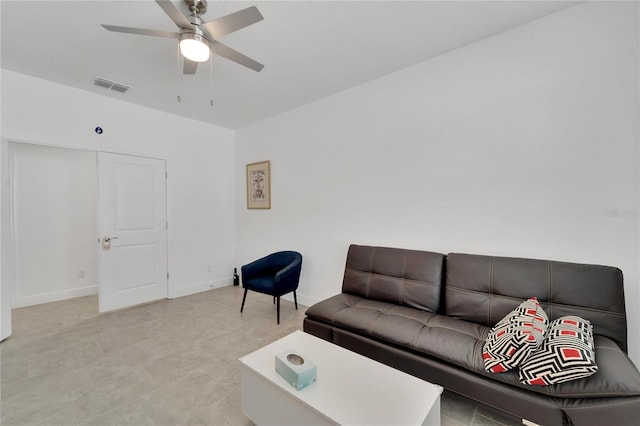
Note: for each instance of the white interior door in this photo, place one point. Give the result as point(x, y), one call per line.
point(132, 224)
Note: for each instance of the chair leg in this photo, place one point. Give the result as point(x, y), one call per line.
point(278, 310)
point(243, 299)
point(274, 300)
point(295, 299)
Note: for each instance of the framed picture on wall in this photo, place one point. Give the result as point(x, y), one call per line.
point(259, 185)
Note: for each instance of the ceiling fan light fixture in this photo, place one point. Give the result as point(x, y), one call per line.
point(194, 47)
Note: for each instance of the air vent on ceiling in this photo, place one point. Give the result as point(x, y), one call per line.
point(108, 84)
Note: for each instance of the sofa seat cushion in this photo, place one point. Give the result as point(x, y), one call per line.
point(456, 341)
point(616, 376)
point(460, 343)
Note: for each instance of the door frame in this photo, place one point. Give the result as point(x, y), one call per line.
point(7, 242)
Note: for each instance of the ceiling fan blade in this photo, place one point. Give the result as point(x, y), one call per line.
point(140, 31)
point(189, 66)
point(235, 56)
point(176, 16)
point(220, 27)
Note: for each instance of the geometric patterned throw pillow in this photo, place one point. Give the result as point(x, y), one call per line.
point(515, 337)
point(566, 353)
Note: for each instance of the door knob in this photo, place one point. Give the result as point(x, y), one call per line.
point(106, 242)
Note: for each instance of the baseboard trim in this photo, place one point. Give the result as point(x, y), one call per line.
point(199, 288)
point(55, 296)
point(303, 299)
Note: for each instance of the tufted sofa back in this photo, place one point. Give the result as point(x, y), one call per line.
point(483, 289)
point(405, 277)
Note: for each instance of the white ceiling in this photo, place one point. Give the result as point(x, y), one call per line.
point(310, 49)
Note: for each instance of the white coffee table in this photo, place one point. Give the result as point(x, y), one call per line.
point(350, 389)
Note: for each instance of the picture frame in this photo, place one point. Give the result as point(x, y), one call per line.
point(259, 185)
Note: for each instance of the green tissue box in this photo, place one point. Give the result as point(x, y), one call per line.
point(295, 369)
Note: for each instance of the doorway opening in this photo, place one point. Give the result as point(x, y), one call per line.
point(61, 201)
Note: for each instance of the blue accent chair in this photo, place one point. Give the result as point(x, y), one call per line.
point(275, 275)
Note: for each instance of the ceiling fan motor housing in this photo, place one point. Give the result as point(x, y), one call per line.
point(195, 34)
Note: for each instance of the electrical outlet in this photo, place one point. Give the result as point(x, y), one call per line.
point(82, 273)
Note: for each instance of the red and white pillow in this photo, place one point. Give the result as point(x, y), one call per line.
point(515, 337)
point(567, 353)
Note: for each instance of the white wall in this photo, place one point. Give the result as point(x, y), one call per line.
point(523, 144)
point(6, 291)
point(54, 223)
point(200, 164)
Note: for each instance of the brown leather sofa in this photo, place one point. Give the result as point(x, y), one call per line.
point(429, 314)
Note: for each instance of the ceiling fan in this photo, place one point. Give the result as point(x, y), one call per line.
point(199, 38)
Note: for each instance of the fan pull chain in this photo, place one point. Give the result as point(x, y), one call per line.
point(178, 69)
point(211, 79)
